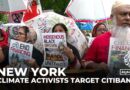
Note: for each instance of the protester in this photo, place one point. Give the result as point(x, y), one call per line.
point(3, 38)
point(3, 43)
point(71, 52)
point(97, 55)
point(1, 58)
point(99, 28)
point(37, 57)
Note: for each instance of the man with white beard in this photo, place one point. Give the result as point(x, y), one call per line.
point(96, 56)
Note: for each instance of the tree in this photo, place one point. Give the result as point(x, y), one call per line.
point(58, 6)
point(3, 18)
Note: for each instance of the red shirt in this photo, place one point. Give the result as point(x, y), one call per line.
point(4, 42)
point(98, 51)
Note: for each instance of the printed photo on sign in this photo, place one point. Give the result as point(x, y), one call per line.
point(15, 17)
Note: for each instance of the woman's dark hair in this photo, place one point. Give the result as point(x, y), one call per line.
point(95, 29)
point(1, 33)
point(26, 29)
point(60, 24)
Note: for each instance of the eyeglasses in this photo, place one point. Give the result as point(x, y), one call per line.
point(102, 29)
point(19, 33)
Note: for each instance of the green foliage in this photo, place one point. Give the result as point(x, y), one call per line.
point(58, 6)
point(3, 18)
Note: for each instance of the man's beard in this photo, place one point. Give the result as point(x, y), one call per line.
point(120, 32)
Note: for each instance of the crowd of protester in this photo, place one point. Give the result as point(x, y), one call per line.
point(95, 57)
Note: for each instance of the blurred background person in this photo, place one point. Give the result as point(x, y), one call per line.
point(3, 43)
point(3, 38)
point(99, 28)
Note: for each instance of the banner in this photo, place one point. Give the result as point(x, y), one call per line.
point(34, 9)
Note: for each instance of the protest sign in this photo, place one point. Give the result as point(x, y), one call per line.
point(19, 52)
point(119, 56)
point(53, 50)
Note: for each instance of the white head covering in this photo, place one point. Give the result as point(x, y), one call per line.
point(120, 3)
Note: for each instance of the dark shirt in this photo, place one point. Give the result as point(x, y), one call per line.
point(75, 51)
point(36, 54)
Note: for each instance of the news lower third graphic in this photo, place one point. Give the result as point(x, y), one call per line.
point(53, 75)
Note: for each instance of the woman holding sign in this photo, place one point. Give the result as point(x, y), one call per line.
point(22, 35)
point(70, 51)
point(37, 57)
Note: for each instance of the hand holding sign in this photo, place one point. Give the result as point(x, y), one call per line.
point(31, 62)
